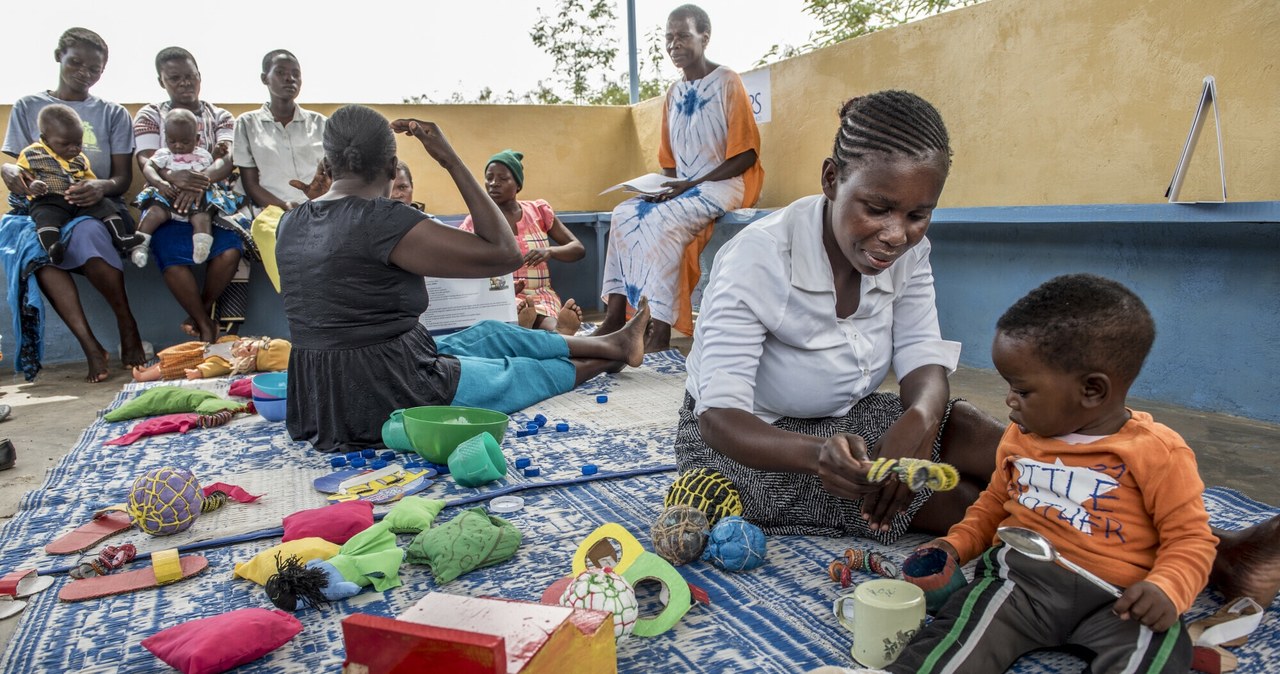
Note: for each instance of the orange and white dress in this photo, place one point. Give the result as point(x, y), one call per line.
point(536, 220)
point(654, 246)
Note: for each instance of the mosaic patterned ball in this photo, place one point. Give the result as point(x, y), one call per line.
point(736, 545)
point(707, 490)
point(165, 501)
point(680, 534)
point(604, 590)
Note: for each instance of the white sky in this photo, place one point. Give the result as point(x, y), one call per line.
point(368, 51)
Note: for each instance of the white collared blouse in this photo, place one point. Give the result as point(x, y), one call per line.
point(768, 340)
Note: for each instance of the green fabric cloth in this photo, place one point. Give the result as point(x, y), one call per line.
point(412, 514)
point(161, 400)
point(371, 557)
point(469, 541)
point(215, 405)
point(512, 160)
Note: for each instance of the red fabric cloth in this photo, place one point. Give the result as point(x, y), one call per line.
point(233, 492)
point(169, 423)
point(241, 388)
point(335, 523)
point(221, 642)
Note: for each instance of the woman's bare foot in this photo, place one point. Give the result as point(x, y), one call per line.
point(99, 368)
point(569, 318)
point(131, 352)
point(632, 334)
point(146, 373)
point(657, 337)
point(1248, 562)
point(526, 315)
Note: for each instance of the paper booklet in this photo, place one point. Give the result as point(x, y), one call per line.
point(1208, 97)
point(461, 303)
point(649, 183)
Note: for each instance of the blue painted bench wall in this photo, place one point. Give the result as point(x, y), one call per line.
point(1209, 273)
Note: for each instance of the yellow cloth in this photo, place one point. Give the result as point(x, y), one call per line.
point(263, 231)
point(263, 564)
point(274, 357)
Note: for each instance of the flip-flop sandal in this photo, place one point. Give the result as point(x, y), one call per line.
point(11, 607)
point(1230, 626)
point(23, 583)
point(166, 567)
point(105, 523)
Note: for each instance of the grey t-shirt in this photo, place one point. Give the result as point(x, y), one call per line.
point(108, 129)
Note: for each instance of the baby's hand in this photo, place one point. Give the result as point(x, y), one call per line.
point(192, 373)
point(1147, 604)
point(221, 150)
point(38, 188)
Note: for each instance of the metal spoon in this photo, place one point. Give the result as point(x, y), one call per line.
point(1037, 547)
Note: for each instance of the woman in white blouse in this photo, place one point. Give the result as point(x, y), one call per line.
point(805, 313)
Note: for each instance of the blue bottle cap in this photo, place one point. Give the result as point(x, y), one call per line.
point(353, 455)
point(378, 464)
point(562, 427)
point(358, 462)
point(532, 471)
point(369, 453)
point(540, 419)
point(533, 431)
point(413, 465)
point(532, 426)
point(590, 469)
point(521, 433)
point(602, 399)
point(441, 469)
point(338, 461)
point(524, 462)
point(388, 456)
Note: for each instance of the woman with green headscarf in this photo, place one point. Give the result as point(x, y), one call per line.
point(542, 237)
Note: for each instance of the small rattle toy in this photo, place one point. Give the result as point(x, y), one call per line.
point(917, 474)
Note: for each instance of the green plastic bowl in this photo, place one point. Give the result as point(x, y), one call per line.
point(436, 430)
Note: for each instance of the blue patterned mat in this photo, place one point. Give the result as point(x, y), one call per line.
point(776, 619)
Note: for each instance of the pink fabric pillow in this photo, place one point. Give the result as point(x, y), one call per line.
point(218, 643)
point(335, 523)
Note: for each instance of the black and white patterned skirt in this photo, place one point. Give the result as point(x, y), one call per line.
point(796, 503)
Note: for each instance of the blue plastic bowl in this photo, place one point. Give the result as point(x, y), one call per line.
point(271, 409)
point(271, 385)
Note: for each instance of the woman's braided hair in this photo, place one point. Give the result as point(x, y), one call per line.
point(358, 141)
point(890, 122)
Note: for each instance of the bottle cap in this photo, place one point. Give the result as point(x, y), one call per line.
point(506, 504)
point(524, 462)
point(338, 461)
point(532, 471)
point(590, 469)
point(602, 398)
point(562, 427)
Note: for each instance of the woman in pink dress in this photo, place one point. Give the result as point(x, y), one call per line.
point(542, 237)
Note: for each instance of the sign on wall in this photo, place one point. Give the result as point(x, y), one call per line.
point(757, 84)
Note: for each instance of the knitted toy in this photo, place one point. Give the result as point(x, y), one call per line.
point(935, 572)
point(736, 545)
point(604, 590)
point(371, 557)
point(866, 561)
point(165, 501)
point(680, 534)
point(917, 474)
point(708, 491)
point(111, 558)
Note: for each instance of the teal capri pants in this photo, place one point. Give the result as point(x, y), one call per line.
point(508, 368)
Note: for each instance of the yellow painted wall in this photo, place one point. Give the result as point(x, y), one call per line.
point(1047, 102)
point(571, 152)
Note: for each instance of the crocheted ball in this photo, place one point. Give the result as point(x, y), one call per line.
point(708, 491)
point(165, 501)
point(680, 534)
point(735, 545)
point(604, 590)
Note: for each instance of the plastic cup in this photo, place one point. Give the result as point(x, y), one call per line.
point(477, 461)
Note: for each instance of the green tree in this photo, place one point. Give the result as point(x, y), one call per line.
point(846, 19)
point(579, 40)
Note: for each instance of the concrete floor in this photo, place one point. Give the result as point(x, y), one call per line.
point(50, 415)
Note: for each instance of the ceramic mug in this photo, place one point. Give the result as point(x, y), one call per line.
point(883, 615)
